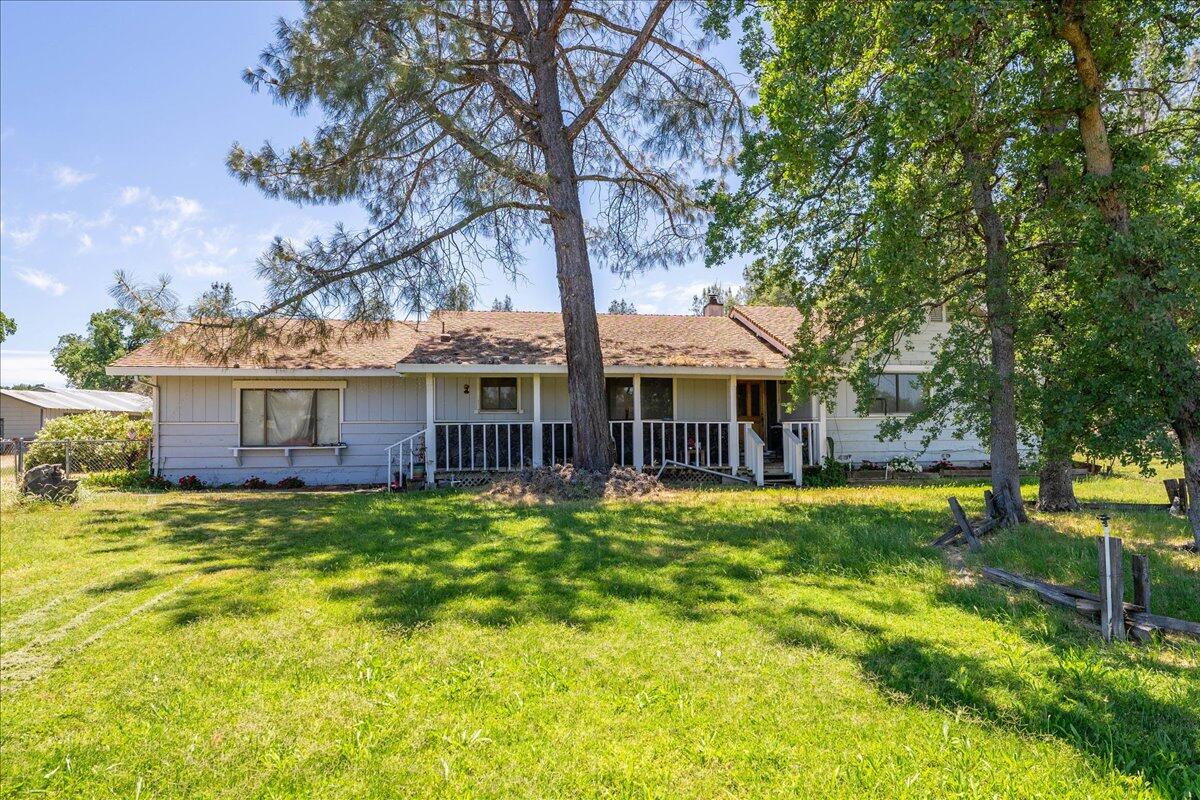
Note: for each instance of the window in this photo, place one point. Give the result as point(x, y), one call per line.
point(497, 394)
point(658, 401)
point(897, 393)
point(936, 314)
point(619, 392)
point(289, 417)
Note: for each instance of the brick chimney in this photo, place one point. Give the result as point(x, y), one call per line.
point(714, 307)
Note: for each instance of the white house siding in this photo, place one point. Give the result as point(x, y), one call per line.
point(702, 399)
point(198, 425)
point(20, 418)
point(855, 436)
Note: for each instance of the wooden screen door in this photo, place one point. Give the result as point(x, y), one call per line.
point(752, 405)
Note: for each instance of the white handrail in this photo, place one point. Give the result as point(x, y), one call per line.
point(809, 433)
point(754, 449)
point(793, 454)
point(410, 441)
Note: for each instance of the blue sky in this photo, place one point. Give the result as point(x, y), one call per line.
point(115, 119)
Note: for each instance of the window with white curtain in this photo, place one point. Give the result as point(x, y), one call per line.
point(289, 417)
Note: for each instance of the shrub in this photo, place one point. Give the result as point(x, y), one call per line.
point(126, 479)
point(124, 445)
point(291, 482)
point(255, 482)
point(190, 482)
point(831, 473)
point(903, 464)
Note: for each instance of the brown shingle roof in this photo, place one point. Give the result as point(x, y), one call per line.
point(502, 337)
point(778, 322)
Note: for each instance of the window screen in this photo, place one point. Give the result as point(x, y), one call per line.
point(620, 397)
point(289, 417)
point(497, 394)
point(658, 401)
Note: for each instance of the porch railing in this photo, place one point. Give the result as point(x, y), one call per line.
point(809, 455)
point(754, 451)
point(403, 457)
point(507, 446)
point(700, 444)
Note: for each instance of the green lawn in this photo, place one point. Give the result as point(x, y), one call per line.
point(705, 644)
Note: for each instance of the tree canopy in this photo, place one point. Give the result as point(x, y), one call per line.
point(927, 161)
point(110, 335)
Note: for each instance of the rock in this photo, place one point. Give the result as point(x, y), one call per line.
point(48, 482)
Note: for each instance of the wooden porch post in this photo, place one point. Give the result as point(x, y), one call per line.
point(821, 435)
point(733, 426)
point(537, 419)
point(430, 429)
point(638, 456)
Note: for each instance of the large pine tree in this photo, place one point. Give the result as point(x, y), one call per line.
point(468, 128)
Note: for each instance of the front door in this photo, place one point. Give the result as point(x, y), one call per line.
point(752, 405)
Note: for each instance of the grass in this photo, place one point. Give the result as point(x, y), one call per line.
point(707, 644)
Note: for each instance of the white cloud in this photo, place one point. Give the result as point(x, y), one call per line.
point(135, 234)
point(204, 269)
point(29, 366)
point(663, 297)
point(68, 177)
point(28, 234)
point(174, 213)
point(43, 281)
point(85, 243)
point(132, 194)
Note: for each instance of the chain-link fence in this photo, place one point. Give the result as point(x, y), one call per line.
point(77, 457)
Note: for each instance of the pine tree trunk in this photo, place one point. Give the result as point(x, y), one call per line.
point(1001, 321)
point(1184, 412)
point(585, 363)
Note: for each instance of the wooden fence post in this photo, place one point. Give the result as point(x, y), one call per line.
point(1112, 589)
point(963, 523)
point(1141, 581)
point(19, 445)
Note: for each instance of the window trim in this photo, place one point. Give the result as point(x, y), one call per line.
point(895, 375)
point(520, 409)
point(238, 386)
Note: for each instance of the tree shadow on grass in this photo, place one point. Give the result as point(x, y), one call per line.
point(1059, 682)
point(1096, 709)
point(403, 561)
point(422, 557)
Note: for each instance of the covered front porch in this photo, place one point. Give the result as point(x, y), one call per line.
point(496, 421)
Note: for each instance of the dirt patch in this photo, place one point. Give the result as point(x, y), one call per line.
point(548, 484)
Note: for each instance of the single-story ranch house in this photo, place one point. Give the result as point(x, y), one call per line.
point(23, 412)
point(471, 392)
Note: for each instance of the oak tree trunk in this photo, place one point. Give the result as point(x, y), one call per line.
point(1189, 445)
point(1055, 490)
point(585, 363)
point(1184, 412)
point(1001, 322)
